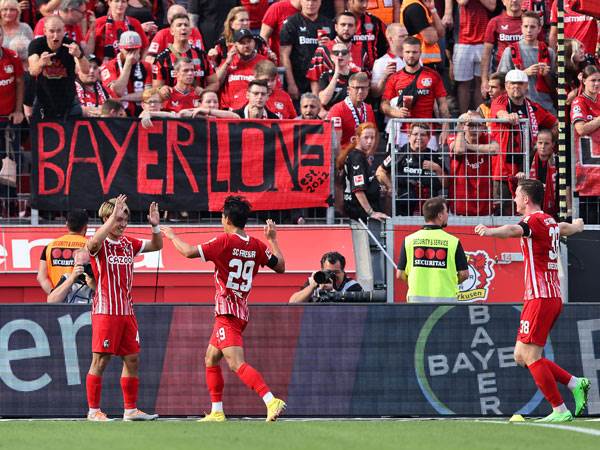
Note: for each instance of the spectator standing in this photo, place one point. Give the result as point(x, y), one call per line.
point(474, 16)
point(126, 76)
point(514, 106)
point(585, 109)
point(299, 40)
point(534, 58)
point(333, 85)
point(72, 12)
point(273, 21)
point(421, 19)
point(209, 16)
point(10, 16)
point(12, 86)
point(209, 107)
point(90, 92)
point(109, 28)
point(142, 10)
point(496, 88)
point(347, 115)
point(256, 11)
point(500, 32)
point(370, 33)
point(52, 64)
point(279, 101)
point(392, 61)
point(543, 169)
point(163, 71)
point(577, 26)
point(183, 95)
point(310, 107)
point(239, 70)
point(57, 258)
point(257, 95)
point(164, 37)
point(322, 60)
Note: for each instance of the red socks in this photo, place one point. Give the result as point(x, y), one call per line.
point(93, 387)
point(253, 379)
point(560, 374)
point(215, 383)
point(544, 379)
point(129, 386)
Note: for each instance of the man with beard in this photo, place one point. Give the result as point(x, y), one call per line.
point(90, 92)
point(239, 69)
point(257, 95)
point(322, 61)
point(432, 261)
point(52, 64)
point(125, 77)
point(413, 91)
point(310, 107)
point(183, 95)
point(163, 70)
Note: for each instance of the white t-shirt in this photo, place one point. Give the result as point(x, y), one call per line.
point(380, 64)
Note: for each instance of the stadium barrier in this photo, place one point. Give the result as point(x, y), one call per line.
point(324, 360)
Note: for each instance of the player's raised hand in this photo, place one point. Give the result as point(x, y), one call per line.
point(481, 230)
point(167, 232)
point(153, 214)
point(120, 206)
point(579, 224)
point(270, 230)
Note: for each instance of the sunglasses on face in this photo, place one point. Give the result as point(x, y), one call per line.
point(340, 52)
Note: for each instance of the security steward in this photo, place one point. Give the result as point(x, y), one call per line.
point(57, 258)
point(432, 261)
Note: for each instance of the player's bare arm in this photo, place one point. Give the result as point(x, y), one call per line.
point(568, 229)
point(402, 275)
point(271, 236)
point(95, 242)
point(185, 249)
point(503, 232)
point(154, 220)
point(462, 275)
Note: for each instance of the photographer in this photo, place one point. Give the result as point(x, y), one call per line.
point(77, 286)
point(332, 280)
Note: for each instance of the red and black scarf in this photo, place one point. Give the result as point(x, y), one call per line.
point(543, 57)
point(549, 204)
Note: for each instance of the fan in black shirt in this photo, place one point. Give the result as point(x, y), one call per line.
point(257, 94)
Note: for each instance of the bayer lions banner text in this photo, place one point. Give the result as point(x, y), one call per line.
point(184, 164)
point(376, 360)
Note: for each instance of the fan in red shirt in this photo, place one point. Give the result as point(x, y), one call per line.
point(348, 114)
point(577, 26)
point(256, 11)
point(274, 19)
point(109, 27)
point(163, 72)
point(543, 169)
point(540, 236)
point(471, 167)
point(585, 109)
point(183, 95)
point(164, 37)
point(125, 77)
point(239, 70)
point(89, 90)
point(71, 17)
point(12, 86)
point(114, 327)
point(370, 33)
point(279, 101)
point(237, 258)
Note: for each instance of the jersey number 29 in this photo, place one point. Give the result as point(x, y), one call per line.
point(240, 277)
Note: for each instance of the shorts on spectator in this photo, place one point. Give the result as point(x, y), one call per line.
point(467, 61)
point(227, 332)
point(116, 335)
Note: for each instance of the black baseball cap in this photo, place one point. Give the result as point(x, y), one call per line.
point(241, 34)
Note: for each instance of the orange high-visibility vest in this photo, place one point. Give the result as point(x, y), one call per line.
point(430, 53)
point(59, 255)
point(383, 9)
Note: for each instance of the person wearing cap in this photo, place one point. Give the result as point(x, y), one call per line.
point(163, 69)
point(239, 69)
point(126, 76)
point(52, 64)
point(109, 27)
point(535, 58)
point(513, 106)
point(257, 95)
point(89, 90)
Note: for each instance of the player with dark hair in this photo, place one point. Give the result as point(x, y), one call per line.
point(540, 235)
point(114, 326)
point(237, 258)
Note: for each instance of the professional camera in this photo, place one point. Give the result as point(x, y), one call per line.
point(376, 296)
point(324, 276)
point(87, 269)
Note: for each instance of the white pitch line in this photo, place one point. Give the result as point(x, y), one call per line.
point(563, 427)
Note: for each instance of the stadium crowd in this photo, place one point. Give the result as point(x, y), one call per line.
point(350, 62)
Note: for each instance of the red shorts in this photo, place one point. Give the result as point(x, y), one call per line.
point(537, 319)
point(227, 332)
point(117, 335)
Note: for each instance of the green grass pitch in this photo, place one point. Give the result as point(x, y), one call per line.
point(307, 434)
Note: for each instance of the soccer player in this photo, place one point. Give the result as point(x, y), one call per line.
point(540, 236)
point(114, 327)
point(237, 258)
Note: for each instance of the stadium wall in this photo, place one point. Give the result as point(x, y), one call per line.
point(325, 360)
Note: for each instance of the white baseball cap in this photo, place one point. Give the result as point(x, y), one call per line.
point(516, 76)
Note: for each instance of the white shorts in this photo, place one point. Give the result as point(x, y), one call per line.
point(467, 61)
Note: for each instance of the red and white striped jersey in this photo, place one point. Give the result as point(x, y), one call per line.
point(236, 260)
point(113, 271)
point(540, 245)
